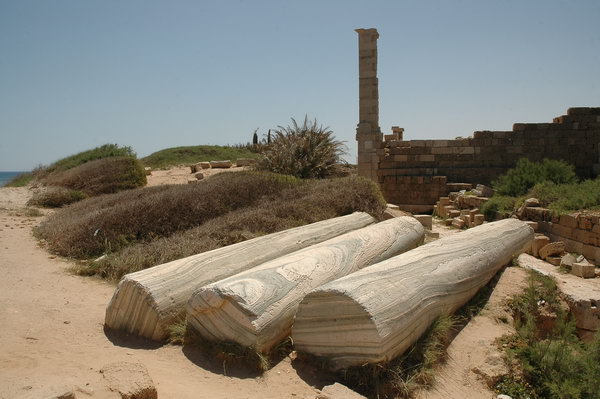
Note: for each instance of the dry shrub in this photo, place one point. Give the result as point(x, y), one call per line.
point(55, 197)
point(101, 176)
point(305, 203)
point(108, 223)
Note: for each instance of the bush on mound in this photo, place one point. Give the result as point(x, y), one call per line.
point(101, 176)
point(108, 223)
point(72, 161)
point(306, 202)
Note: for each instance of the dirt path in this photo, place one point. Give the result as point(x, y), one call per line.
point(52, 337)
point(473, 356)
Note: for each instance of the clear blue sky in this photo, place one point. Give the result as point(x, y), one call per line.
point(156, 74)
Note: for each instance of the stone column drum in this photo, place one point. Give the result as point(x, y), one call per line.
point(368, 132)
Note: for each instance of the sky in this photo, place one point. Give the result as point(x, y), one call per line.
point(157, 74)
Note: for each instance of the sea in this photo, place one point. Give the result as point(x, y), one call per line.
point(5, 177)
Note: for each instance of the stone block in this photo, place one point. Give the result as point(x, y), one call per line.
point(221, 164)
point(204, 165)
point(425, 220)
point(454, 213)
point(199, 176)
point(533, 225)
point(553, 260)
point(569, 221)
point(458, 223)
point(567, 261)
point(584, 270)
point(552, 249)
point(478, 219)
point(539, 241)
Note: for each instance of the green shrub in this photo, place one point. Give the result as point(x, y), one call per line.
point(306, 151)
point(56, 197)
point(103, 151)
point(563, 198)
point(101, 176)
point(108, 223)
point(555, 363)
point(193, 154)
point(519, 180)
point(498, 204)
point(308, 201)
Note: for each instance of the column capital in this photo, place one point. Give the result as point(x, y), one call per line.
point(369, 31)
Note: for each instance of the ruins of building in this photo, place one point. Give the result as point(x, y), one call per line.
point(414, 174)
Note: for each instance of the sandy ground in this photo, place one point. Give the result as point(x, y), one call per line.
point(52, 337)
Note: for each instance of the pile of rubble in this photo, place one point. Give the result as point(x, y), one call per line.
point(461, 208)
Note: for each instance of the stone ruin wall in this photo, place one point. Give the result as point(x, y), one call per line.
point(415, 173)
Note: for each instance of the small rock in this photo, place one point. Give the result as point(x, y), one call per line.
point(131, 380)
point(532, 203)
point(339, 391)
point(567, 261)
point(502, 396)
point(199, 176)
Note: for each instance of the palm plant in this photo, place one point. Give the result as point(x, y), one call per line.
point(308, 150)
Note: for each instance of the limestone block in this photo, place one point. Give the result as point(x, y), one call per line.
point(454, 213)
point(458, 223)
point(552, 249)
point(192, 180)
point(553, 260)
point(145, 303)
point(567, 261)
point(256, 308)
point(478, 219)
point(130, 380)
point(199, 176)
point(584, 270)
point(245, 162)
point(382, 310)
point(204, 165)
point(533, 225)
point(221, 164)
point(193, 168)
point(539, 242)
point(425, 220)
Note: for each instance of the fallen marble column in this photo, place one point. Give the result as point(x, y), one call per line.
point(145, 303)
point(256, 308)
point(375, 314)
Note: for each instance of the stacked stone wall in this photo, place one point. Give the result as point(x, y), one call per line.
point(574, 138)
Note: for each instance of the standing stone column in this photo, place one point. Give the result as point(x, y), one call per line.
point(368, 132)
